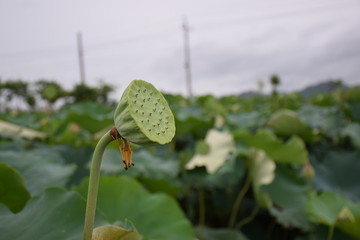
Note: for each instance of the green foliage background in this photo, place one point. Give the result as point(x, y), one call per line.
point(292, 173)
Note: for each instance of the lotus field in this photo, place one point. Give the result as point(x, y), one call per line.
point(262, 167)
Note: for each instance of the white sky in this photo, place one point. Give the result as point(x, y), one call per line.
point(234, 44)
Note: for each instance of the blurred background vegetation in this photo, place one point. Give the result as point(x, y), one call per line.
point(247, 166)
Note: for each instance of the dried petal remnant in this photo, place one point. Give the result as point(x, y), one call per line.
point(124, 147)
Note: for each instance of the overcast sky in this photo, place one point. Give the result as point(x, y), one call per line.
point(234, 44)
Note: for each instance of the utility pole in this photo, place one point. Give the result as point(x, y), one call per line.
point(81, 57)
point(187, 65)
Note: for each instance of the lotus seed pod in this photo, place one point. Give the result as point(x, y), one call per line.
point(143, 116)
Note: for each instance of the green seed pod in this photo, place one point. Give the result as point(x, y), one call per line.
point(143, 116)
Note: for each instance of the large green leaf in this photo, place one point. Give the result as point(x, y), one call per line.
point(156, 216)
point(286, 123)
point(288, 193)
point(176, 100)
point(56, 215)
point(354, 108)
point(71, 133)
point(172, 187)
point(352, 131)
point(293, 151)
point(351, 226)
point(246, 120)
point(333, 209)
point(79, 156)
point(192, 120)
point(24, 119)
point(337, 171)
point(11, 143)
point(326, 207)
point(321, 232)
point(217, 234)
point(91, 116)
point(328, 120)
point(211, 105)
point(157, 174)
point(13, 192)
point(147, 165)
point(40, 168)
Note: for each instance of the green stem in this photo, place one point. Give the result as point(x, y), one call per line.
point(249, 218)
point(331, 232)
point(201, 207)
point(238, 200)
point(94, 185)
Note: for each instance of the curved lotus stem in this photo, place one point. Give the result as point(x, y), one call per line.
point(94, 185)
point(142, 117)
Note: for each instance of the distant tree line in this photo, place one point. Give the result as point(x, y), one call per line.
point(49, 92)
